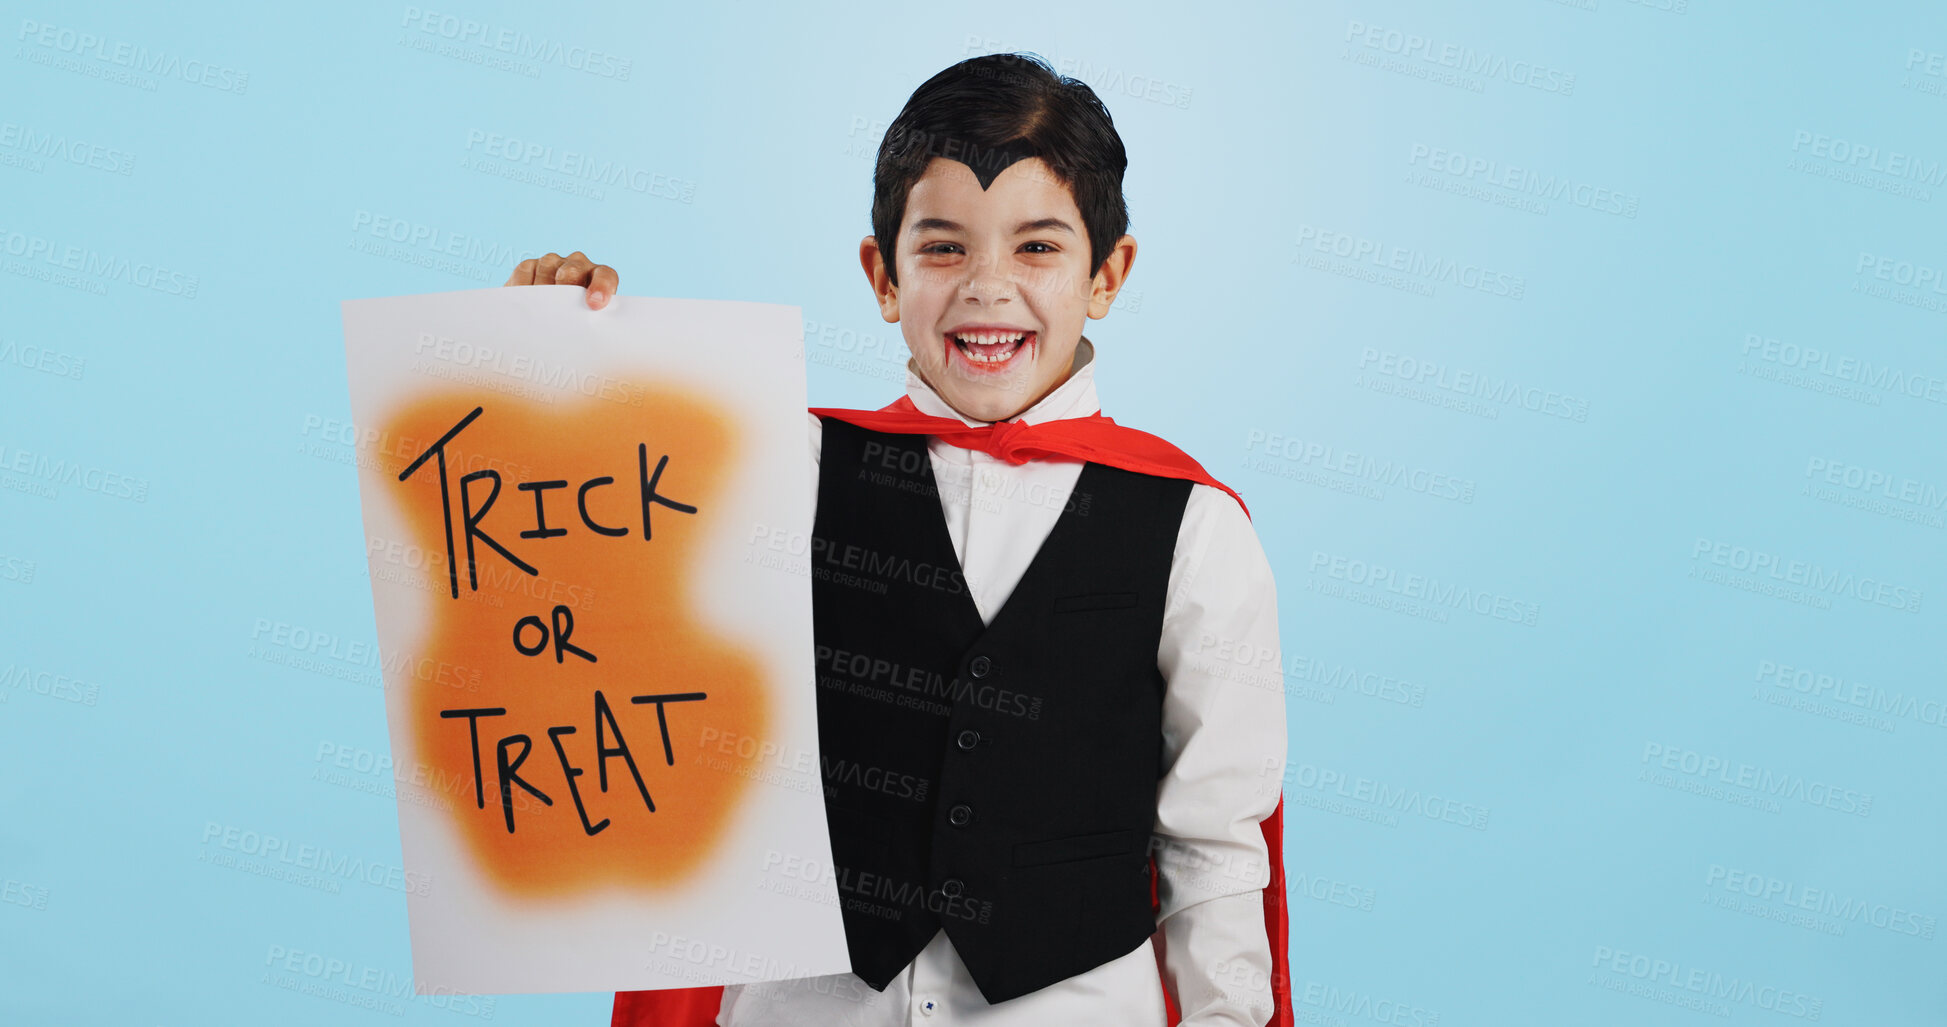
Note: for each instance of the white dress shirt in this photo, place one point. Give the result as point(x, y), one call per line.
point(1224, 749)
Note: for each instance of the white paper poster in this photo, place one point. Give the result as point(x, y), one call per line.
point(598, 669)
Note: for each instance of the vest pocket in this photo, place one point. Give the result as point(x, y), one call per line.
point(1076, 847)
point(1095, 601)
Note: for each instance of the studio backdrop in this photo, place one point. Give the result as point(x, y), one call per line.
point(1583, 364)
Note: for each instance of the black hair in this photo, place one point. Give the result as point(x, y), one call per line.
point(988, 112)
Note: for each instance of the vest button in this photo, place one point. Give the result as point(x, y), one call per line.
point(969, 739)
point(951, 887)
point(960, 816)
point(980, 666)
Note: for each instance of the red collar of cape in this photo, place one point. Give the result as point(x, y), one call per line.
point(1093, 438)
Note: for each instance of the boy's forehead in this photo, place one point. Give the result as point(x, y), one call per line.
point(986, 162)
point(1030, 181)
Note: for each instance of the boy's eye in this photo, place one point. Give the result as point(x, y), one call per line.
point(940, 247)
point(1044, 247)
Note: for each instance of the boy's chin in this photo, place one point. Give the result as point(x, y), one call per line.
point(998, 401)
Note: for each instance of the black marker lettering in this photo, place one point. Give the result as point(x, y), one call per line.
point(510, 773)
point(572, 772)
point(668, 753)
point(538, 626)
point(649, 493)
point(603, 751)
point(581, 501)
point(438, 449)
point(473, 732)
point(564, 625)
point(541, 529)
point(473, 526)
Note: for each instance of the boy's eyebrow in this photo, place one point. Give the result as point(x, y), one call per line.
point(1044, 225)
point(1037, 225)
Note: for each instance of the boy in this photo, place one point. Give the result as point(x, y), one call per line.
point(1089, 775)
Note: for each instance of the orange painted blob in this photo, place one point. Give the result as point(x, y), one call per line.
point(632, 607)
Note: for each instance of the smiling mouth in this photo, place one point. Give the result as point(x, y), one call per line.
point(990, 350)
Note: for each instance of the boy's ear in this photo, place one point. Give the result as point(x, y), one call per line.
point(1108, 281)
point(875, 272)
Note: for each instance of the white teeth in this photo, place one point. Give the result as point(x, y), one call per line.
point(989, 339)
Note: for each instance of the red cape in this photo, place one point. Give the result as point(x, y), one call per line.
point(1103, 441)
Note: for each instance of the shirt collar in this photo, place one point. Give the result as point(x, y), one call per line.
point(1074, 397)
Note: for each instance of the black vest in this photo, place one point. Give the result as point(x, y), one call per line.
point(997, 781)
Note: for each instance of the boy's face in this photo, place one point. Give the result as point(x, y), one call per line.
point(994, 284)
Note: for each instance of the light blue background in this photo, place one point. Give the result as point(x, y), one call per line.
point(145, 707)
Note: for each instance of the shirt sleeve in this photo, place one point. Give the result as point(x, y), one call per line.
point(817, 450)
point(1223, 751)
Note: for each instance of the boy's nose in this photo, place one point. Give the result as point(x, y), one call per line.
point(987, 284)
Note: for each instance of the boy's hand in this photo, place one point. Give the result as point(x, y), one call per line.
point(573, 269)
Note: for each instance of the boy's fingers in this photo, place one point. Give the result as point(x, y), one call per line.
point(574, 269)
point(544, 268)
point(602, 283)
